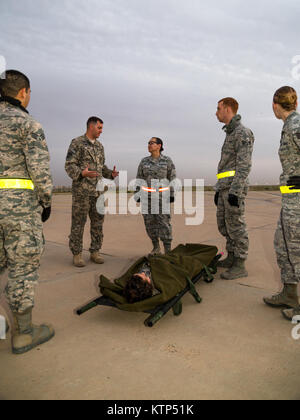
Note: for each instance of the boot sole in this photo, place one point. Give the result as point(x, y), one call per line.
point(28, 348)
point(282, 305)
point(238, 276)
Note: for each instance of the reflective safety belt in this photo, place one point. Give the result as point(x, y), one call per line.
point(226, 174)
point(154, 190)
point(288, 190)
point(11, 184)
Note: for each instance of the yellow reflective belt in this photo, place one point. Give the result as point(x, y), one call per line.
point(10, 184)
point(226, 174)
point(287, 190)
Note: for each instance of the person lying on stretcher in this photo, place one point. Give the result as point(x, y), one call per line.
point(154, 280)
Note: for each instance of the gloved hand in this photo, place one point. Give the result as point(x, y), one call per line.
point(46, 214)
point(172, 199)
point(233, 200)
point(294, 181)
point(217, 198)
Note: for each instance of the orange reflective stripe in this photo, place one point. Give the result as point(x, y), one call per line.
point(148, 189)
point(154, 190)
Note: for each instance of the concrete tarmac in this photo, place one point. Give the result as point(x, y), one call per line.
point(231, 346)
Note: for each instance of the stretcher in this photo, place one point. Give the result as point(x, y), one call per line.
point(157, 313)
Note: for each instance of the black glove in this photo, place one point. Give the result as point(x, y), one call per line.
point(136, 195)
point(46, 214)
point(294, 181)
point(233, 200)
point(172, 199)
point(217, 198)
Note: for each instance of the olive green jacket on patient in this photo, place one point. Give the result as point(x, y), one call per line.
point(169, 275)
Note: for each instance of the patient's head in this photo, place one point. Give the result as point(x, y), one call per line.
point(138, 287)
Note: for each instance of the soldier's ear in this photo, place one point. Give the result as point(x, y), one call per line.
point(22, 93)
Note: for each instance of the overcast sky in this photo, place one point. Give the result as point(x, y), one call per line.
point(154, 68)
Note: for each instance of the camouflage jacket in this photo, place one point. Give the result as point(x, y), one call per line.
point(236, 156)
point(156, 169)
point(81, 154)
point(289, 151)
point(24, 153)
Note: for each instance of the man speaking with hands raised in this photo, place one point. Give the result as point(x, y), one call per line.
point(85, 165)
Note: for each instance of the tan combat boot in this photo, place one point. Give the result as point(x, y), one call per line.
point(227, 262)
point(26, 335)
point(95, 257)
point(287, 298)
point(78, 261)
point(236, 271)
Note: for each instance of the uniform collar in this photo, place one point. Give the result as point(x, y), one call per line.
point(90, 141)
point(13, 102)
point(290, 117)
point(156, 160)
point(229, 128)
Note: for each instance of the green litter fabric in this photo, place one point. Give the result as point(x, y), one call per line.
point(169, 275)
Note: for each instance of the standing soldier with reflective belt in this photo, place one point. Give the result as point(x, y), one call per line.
point(156, 173)
point(287, 237)
point(232, 188)
point(85, 165)
point(25, 201)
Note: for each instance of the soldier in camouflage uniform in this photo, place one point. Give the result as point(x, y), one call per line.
point(85, 165)
point(157, 171)
point(25, 201)
point(287, 236)
point(232, 188)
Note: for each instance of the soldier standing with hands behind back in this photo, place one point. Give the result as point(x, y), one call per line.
point(232, 188)
point(85, 165)
point(287, 237)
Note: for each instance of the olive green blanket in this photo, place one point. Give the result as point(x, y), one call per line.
point(169, 275)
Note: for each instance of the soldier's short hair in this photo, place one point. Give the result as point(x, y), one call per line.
point(286, 96)
point(93, 120)
point(137, 289)
point(232, 103)
point(13, 82)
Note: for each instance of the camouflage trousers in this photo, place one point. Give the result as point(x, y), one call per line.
point(232, 225)
point(287, 239)
point(158, 226)
point(21, 247)
point(82, 206)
